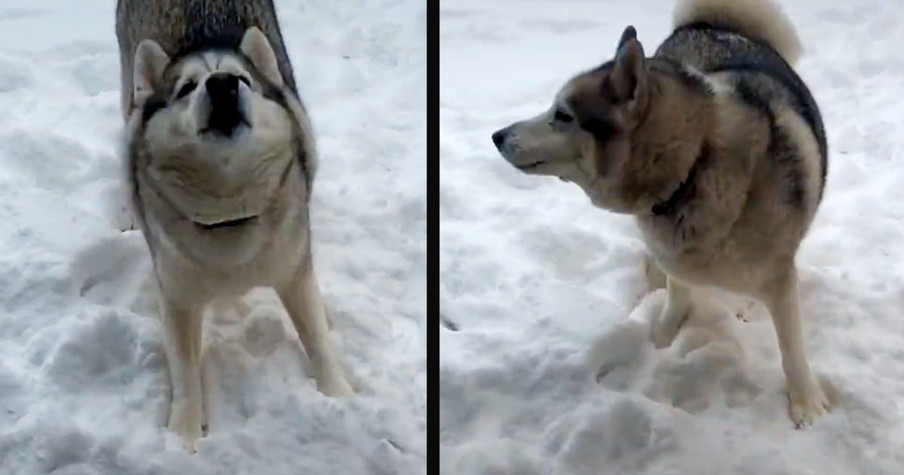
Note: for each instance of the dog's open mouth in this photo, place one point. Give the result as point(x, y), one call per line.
point(232, 223)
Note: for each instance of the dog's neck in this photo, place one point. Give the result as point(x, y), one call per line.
point(680, 196)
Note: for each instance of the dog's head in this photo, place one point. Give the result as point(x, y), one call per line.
point(217, 130)
point(213, 96)
point(586, 136)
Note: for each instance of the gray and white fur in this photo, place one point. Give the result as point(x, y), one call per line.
point(716, 146)
point(220, 158)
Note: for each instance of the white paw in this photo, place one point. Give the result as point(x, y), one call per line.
point(336, 386)
point(665, 329)
point(187, 438)
point(807, 406)
point(186, 426)
point(664, 335)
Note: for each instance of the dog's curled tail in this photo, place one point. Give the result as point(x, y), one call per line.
point(761, 20)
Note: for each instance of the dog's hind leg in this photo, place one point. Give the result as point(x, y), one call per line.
point(807, 400)
point(304, 304)
point(677, 308)
point(182, 334)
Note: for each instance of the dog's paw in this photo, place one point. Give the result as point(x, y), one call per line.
point(807, 406)
point(186, 440)
point(185, 426)
point(336, 387)
point(666, 328)
point(664, 335)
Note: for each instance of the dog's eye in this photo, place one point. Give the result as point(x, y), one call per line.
point(186, 89)
point(561, 116)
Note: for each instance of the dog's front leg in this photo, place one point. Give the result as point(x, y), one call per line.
point(304, 304)
point(677, 308)
point(807, 400)
point(182, 333)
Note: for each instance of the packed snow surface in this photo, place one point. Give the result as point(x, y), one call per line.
point(83, 380)
point(546, 363)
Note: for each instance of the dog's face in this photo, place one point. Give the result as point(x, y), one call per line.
point(218, 129)
point(585, 137)
point(214, 98)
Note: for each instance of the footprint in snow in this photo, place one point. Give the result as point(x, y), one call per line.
point(115, 271)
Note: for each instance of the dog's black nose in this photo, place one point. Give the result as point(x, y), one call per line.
point(223, 90)
point(499, 137)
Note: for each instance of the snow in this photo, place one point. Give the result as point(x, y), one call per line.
point(83, 381)
point(545, 361)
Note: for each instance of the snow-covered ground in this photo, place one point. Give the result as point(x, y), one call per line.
point(540, 291)
point(83, 380)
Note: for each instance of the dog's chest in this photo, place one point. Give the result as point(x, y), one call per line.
point(713, 262)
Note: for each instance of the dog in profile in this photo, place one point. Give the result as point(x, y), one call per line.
point(220, 158)
point(717, 148)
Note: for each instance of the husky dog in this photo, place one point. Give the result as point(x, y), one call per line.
point(220, 158)
point(716, 147)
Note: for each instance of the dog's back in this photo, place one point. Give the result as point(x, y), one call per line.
point(181, 27)
point(754, 42)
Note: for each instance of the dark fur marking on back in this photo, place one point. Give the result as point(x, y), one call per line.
point(677, 71)
point(755, 57)
point(780, 146)
point(803, 104)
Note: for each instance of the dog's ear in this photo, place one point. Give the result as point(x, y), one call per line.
point(629, 34)
point(629, 74)
point(150, 62)
point(258, 50)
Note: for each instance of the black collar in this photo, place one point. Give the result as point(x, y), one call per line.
point(680, 194)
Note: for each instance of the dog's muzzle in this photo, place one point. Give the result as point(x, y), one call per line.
point(500, 138)
point(225, 111)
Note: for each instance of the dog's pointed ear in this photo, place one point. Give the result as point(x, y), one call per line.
point(629, 74)
point(258, 50)
point(629, 34)
point(150, 62)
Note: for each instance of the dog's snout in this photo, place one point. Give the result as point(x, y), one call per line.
point(223, 87)
point(225, 113)
point(499, 137)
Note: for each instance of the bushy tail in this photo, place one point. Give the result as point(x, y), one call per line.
point(761, 20)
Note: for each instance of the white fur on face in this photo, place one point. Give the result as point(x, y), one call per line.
point(544, 145)
point(211, 178)
point(196, 71)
